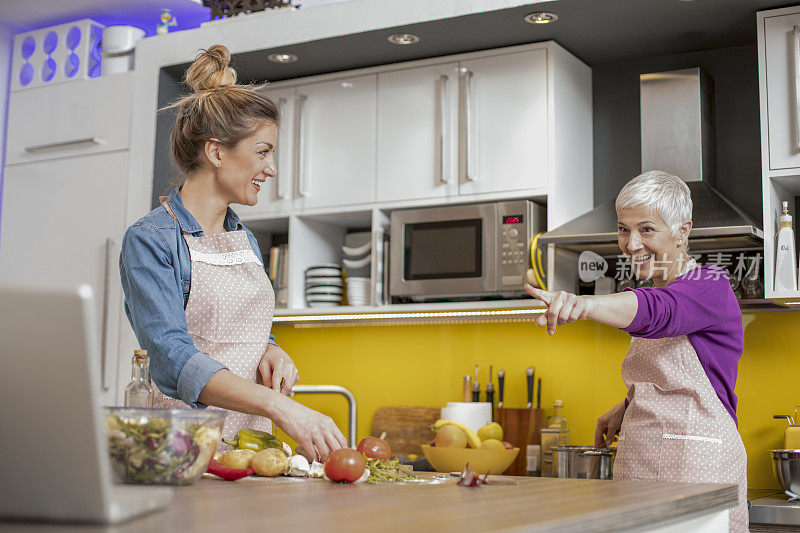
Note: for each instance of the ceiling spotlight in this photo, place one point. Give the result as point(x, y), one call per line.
point(403, 38)
point(282, 58)
point(540, 17)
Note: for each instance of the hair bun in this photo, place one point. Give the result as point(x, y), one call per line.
point(210, 70)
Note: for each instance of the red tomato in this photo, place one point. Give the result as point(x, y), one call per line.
point(344, 464)
point(375, 448)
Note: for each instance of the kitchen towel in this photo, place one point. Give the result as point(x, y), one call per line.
point(474, 415)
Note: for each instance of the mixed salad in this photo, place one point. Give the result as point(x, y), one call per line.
point(159, 450)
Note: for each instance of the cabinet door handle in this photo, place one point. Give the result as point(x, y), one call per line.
point(300, 137)
point(466, 103)
point(280, 191)
point(796, 79)
point(65, 144)
point(442, 120)
point(111, 288)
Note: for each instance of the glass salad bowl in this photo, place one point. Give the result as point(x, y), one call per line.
point(161, 446)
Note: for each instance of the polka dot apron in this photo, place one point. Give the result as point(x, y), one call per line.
point(675, 427)
point(228, 313)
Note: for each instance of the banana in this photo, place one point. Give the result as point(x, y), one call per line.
point(472, 437)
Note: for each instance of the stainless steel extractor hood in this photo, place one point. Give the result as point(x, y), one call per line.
point(677, 137)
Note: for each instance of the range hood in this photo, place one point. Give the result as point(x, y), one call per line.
point(677, 137)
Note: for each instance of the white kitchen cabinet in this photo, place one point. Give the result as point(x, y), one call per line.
point(62, 224)
point(504, 123)
point(779, 87)
point(276, 196)
point(417, 152)
point(335, 142)
point(780, 69)
point(69, 119)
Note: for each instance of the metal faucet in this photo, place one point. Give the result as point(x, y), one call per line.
point(334, 389)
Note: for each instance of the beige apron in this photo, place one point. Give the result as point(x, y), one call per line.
point(675, 427)
point(228, 313)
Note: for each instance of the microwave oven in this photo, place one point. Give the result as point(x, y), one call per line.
point(464, 251)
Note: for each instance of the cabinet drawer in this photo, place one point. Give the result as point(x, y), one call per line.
point(72, 118)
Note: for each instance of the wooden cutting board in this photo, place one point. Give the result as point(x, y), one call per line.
point(407, 428)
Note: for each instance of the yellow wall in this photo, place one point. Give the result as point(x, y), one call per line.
point(423, 366)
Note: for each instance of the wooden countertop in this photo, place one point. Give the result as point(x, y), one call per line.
point(535, 504)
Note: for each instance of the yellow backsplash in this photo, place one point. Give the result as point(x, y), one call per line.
point(423, 366)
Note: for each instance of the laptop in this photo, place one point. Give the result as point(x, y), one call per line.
point(55, 461)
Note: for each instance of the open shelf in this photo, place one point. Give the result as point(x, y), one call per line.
point(783, 188)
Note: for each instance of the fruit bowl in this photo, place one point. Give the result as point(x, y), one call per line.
point(481, 460)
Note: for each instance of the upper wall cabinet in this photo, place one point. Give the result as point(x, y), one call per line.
point(781, 68)
point(469, 127)
point(503, 123)
point(418, 133)
point(779, 87)
point(334, 142)
point(73, 118)
point(277, 193)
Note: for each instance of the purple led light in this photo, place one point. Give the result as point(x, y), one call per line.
point(25, 74)
point(72, 64)
point(48, 69)
point(50, 42)
point(28, 47)
point(73, 38)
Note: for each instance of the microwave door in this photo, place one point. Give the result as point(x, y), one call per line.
point(444, 252)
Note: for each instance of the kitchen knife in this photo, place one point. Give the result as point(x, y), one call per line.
point(490, 391)
point(539, 394)
point(529, 377)
point(476, 387)
point(501, 377)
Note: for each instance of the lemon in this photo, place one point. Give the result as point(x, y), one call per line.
point(493, 444)
point(492, 430)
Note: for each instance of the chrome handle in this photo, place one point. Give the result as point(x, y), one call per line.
point(466, 103)
point(442, 120)
point(280, 191)
point(64, 144)
point(796, 53)
point(335, 389)
point(300, 135)
point(111, 258)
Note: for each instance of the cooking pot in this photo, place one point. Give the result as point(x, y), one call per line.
point(786, 465)
point(583, 462)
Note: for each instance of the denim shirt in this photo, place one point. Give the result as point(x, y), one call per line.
point(155, 268)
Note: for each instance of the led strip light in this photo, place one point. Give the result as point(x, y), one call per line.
point(407, 318)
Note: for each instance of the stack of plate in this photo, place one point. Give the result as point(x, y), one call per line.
point(358, 291)
point(324, 285)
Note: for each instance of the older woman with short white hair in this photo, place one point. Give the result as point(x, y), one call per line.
point(678, 421)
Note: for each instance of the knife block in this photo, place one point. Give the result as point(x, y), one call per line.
point(520, 427)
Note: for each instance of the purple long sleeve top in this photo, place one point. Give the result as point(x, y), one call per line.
point(701, 305)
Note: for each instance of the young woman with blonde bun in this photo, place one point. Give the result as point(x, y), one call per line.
point(196, 293)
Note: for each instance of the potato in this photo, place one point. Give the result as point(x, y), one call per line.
point(270, 462)
point(237, 458)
